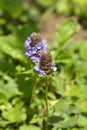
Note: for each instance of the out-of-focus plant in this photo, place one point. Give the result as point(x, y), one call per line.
point(22, 104)
point(18, 18)
point(67, 88)
point(67, 7)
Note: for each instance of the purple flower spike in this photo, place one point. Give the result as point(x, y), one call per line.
point(46, 64)
point(34, 45)
point(35, 49)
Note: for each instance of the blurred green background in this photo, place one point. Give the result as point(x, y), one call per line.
point(64, 24)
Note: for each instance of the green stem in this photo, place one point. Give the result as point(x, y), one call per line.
point(46, 99)
point(33, 91)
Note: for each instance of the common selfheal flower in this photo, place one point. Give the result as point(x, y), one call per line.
point(34, 45)
point(46, 64)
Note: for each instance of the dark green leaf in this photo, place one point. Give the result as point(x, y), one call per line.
point(26, 84)
point(14, 8)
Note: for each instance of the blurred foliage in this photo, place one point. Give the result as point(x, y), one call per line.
point(67, 87)
point(67, 7)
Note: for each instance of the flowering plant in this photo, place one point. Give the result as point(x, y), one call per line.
point(36, 50)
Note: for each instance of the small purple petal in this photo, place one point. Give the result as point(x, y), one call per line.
point(53, 63)
point(44, 45)
point(35, 59)
point(28, 54)
point(41, 72)
point(33, 49)
point(44, 41)
point(39, 52)
point(32, 34)
point(27, 42)
point(39, 45)
point(29, 39)
point(36, 68)
point(53, 67)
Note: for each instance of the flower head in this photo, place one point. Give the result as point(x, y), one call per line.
point(35, 49)
point(46, 64)
point(34, 45)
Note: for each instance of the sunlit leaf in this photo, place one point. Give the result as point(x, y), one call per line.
point(82, 121)
point(45, 3)
point(63, 6)
point(13, 113)
point(29, 127)
point(72, 90)
point(3, 98)
point(66, 31)
point(83, 51)
point(11, 46)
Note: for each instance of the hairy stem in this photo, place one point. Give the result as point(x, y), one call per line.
point(46, 100)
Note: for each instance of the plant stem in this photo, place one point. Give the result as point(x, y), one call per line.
point(46, 99)
point(33, 91)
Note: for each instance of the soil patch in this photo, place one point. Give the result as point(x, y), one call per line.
point(51, 23)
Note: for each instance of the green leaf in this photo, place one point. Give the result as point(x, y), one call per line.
point(58, 84)
point(13, 113)
point(14, 8)
point(11, 46)
point(29, 127)
point(83, 51)
point(45, 3)
point(82, 105)
point(3, 123)
point(67, 123)
point(82, 121)
point(36, 120)
point(63, 57)
point(63, 6)
point(9, 89)
point(71, 109)
point(26, 84)
point(7, 66)
point(62, 103)
point(83, 90)
point(66, 31)
point(2, 21)
point(81, 68)
point(72, 90)
point(55, 119)
point(23, 32)
point(3, 98)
